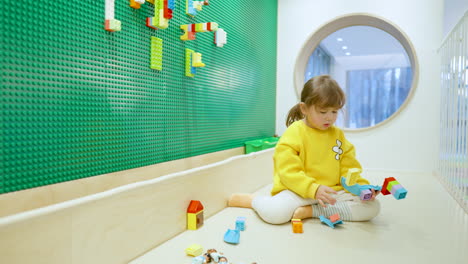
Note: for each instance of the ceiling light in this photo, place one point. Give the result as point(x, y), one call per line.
point(348, 53)
point(339, 39)
point(344, 47)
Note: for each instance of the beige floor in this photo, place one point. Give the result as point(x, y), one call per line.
point(426, 227)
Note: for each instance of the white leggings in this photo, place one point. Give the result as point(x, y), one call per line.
point(278, 209)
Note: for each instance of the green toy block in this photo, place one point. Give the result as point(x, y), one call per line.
point(269, 142)
point(390, 185)
point(253, 146)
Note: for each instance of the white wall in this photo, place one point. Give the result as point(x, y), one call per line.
point(410, 141)
point(453, 11)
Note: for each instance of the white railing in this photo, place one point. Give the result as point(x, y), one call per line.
point(453, 156)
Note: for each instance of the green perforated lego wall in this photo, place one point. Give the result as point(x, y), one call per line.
point(78, 101)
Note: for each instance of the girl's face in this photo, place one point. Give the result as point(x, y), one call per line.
point(319, 118)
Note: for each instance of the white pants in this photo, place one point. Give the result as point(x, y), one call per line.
point(278, 209)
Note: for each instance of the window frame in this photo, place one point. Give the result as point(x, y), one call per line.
point(356, 19)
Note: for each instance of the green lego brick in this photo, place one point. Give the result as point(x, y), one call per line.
point(391, 184)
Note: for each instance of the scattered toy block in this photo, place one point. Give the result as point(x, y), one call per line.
point(194, 215)
point(232, 236)
point(240, 223)
point(194, 250)
point(329, 222)
point(334, 218)
point(297, 226)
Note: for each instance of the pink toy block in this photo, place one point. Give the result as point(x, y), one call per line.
point(334, 218)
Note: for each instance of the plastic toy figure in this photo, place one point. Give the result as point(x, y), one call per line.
point(210, 255)
point(223, 260)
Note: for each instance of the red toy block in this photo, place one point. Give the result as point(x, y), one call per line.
point(334, 218)
point(194, 207)
point(384, 190)
point(167, 12)
point(191, 35)
point(195, 217)
point(149, 23)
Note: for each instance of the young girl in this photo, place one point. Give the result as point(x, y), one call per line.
point(309, 160)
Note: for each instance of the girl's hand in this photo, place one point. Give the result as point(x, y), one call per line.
point(374, 194)
point(323, 195)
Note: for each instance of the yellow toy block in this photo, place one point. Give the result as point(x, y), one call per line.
point(353, 175)
point(297, 226)
point(194, 215)
point(199, 27)
point(194, 250)
point(188, 63)
point(159, 21)
point(134, 4)
point(196, 60)
point(113, 25)
point(156, 53)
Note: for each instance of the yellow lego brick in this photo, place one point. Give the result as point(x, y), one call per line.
point(159, 21)
point(156, 53)
point(352, 176)
point(194, 250)
point(188, 63)
point(194, 221)
point(196, 60)
point(214, 26)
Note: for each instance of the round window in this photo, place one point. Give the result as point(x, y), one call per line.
point(373, 62)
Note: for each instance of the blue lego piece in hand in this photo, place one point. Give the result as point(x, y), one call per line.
point(357, 189)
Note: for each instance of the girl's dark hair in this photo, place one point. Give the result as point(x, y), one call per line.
point(320, 91)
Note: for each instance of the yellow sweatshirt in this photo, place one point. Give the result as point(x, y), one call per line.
point(306, 158)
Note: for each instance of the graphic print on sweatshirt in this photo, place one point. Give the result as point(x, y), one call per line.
point(337, 149)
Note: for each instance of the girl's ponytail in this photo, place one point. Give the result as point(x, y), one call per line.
point(294, 115)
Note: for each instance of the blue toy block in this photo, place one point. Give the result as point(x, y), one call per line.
point(190, 9)
point(328, 222)
point(400, 193)
point(240, 223)
point(232, 236)
point(171, 4)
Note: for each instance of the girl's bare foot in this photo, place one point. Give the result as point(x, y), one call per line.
point(241, 200)
point(303, 212)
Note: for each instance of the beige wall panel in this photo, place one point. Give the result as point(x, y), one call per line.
point(119, 225)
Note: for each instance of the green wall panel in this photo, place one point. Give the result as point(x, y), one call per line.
point(78, 101)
